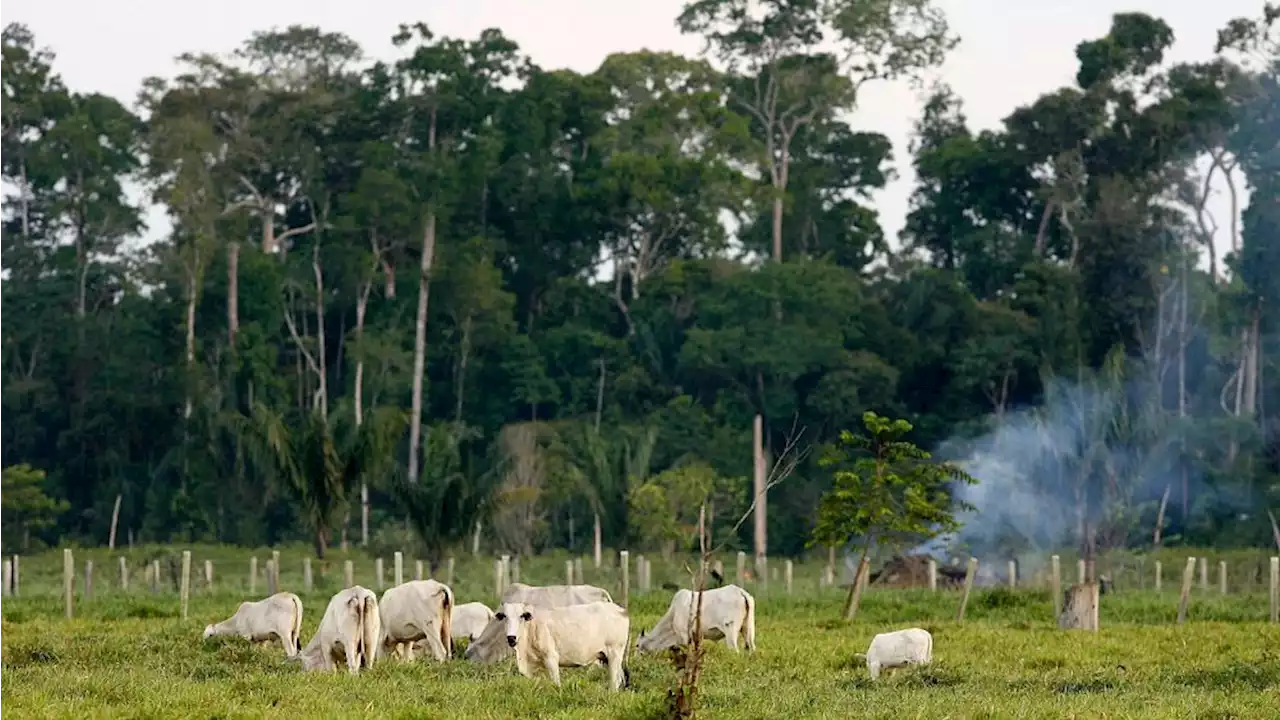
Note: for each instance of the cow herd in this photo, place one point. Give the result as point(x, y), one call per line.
point(546, 628)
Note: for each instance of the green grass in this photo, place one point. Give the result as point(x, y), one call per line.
point(130, 655)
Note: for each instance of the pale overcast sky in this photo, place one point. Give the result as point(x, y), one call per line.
point(1011, 51)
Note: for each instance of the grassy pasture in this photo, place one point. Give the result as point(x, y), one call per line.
point(130, 655)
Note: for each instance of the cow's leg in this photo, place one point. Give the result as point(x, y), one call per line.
point(434, 645)
point(731, 637)
point(408, 652)
point(616, 674)
point(551, 661)
point(352, 650)
point(523, 665)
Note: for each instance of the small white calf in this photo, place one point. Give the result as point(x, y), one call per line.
point(349, 631)
point(278, 617)
point(900, 648)
point(573, 636)
point(554, 595)
point(417, 610)
point(726, 612)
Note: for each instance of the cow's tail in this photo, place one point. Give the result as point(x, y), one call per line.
point(749, 623)
point(446, 621)
point(370, 629)
point(297, 622)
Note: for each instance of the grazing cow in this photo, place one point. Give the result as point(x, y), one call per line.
point(554, 595)
point(349, 631)
point(417, 610)
point(573, 636)
point(726, 612)
point(900, 648)
point(278, 617)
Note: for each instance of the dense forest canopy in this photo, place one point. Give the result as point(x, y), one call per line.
point(462, 289)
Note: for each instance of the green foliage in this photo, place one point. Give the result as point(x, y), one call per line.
point(893, 493)
point(220, 379)
point(26, 507)
point(442, 507)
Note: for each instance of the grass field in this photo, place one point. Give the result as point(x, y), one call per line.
point(130, 655)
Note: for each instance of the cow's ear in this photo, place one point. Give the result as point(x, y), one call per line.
point(526, 616)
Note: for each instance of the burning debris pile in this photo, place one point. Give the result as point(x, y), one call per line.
point(912, 571)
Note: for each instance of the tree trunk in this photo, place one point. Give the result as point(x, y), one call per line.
point(420, 342)
point(322, 370)
point(190, 354)
point(322, 542)
point(760, 489)
point(362, 307)
point(233, 292)
point(460, 371)
point(854, 597)
point(1080, 607)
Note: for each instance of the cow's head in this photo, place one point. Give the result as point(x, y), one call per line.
point(513, 616)
point(490, 646)
point(208, 632)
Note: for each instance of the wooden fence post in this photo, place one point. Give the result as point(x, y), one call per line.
point(933, 575)
point(155, 576)
point(624, 559)
point(506, 572)
point(88, 579)
point(970, 572)
point(568, 572)
point(1159, 574)
point(348, 574)
point(124, 573)
point(787, 571)
point(377, 573)
point(577, 570)
point(398, 561)
point(186, 582)
point(1188, 577)
point(208, 575)
point(275, 571)
point(1222, 576)
point(8, 576)
point(1275, 589)
point(1013, 574)
point(515, 569)
point(1204, 573)
point(272, 587)
point(68, 580)
point(16, 574)
point(742, 568)
point(497, 578)
point(1055, 585)
point(448, 571)
point(418, 571)
point(253, 575)
point(307, 579)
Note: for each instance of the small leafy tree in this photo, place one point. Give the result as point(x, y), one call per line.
point(894, 493)
point(26, 507)
point(445, 502)
point(316, 464)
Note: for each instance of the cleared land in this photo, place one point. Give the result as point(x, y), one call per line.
point(129, 655)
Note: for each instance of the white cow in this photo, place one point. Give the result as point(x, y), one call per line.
point(900, 648)
point(278, 617)
point(726, 612)
point(417, 610)
point(349, 631)
point(470, 619)
point(573, 636)
point(554, 595)
point(490, 646)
